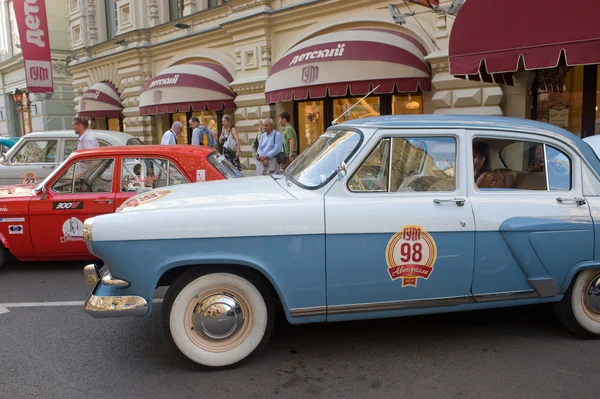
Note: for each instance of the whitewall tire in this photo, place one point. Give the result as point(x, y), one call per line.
point(579, 310)
point(218, 320)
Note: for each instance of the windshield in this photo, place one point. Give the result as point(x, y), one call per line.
point(317, 164)
point(51, 175)
point(224, 166)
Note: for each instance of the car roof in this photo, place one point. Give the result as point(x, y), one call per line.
point(170, 150)
point(103, 134)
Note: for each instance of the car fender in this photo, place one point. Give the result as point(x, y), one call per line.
point(225, 259)
point(576, 269)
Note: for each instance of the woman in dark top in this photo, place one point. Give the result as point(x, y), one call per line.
point(481, 164)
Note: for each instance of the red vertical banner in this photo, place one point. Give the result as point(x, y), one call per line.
point(35, 44)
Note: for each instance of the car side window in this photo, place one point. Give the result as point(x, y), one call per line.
point(36, 151)
point(143, 174)
point(92, 176)
point(408, 164)
point(520, 165)
point(70, 146)
point(3, 149)
point(102, 143)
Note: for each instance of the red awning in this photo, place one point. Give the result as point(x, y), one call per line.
point(100, 101)
point(198, 86)
point(351, 61)
point(489, 37)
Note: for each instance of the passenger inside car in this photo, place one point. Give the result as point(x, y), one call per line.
point(481, 164)
point(503, 178)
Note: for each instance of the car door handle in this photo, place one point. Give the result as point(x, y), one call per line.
point(49, 167)
point(458, 201)
point(103, 201)
point(579, 200)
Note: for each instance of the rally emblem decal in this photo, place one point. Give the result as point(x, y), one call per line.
point(145, 198)
point(73, 230)
point(410, 255)
point(63, 206)
point(29, 178)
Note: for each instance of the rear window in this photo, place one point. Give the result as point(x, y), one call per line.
point(135, 141)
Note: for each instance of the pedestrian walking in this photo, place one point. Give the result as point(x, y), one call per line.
point(258, 126)
point(199, 132)
point(269, 147)
point(290, 140)
point(170, 136)
point(86, 139)
point(230, 141)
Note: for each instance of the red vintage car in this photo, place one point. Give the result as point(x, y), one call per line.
point(45, 222)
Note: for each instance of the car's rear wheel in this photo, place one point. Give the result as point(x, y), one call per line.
point(3, 256)
point(218, 320)
point(579, 310)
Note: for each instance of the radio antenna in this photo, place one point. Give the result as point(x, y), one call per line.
point(350, 109)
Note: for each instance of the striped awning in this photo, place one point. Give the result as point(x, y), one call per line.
point(100, 101)
point(198, 86)
point(350, 61)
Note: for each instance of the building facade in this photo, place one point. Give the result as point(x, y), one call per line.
point(35, 113)
point(140, 65)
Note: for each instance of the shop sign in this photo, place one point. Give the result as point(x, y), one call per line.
point(559, 115)
point(337, 51)
point(35, 44)
point(310, 74)
point(157, 96)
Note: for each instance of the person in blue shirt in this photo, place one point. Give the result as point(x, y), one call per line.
point(270, 145)
point(199, 132)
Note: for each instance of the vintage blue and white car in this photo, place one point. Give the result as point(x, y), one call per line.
point(380, 217)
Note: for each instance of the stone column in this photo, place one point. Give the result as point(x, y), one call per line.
point(461, 96)
point(519, 98)
point(191, 6)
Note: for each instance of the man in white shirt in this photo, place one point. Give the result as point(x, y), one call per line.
point(86, 138)
point(170, 136)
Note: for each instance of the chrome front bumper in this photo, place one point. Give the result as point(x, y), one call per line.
point(103, 306)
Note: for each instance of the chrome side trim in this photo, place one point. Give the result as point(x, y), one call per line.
point(545, 287)
point(305, 312)
point(115, 306)
point(412, 304)
point(506, 296)
point(398, 305)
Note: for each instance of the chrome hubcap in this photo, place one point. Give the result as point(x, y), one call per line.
point(592, 298)
point(218, 317)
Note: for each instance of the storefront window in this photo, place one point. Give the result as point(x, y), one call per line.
point(181, 117)
point(560, 97)
point(403, 104)
point(310, 122)
point(113, 124)
point(210, 120)
point(366, 107)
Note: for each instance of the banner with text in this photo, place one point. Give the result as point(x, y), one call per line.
point(35, 43)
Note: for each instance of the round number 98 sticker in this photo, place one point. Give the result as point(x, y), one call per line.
point(410, 255)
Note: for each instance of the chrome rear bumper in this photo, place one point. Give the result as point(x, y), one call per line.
point(104, 306)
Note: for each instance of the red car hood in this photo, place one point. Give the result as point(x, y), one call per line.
point(17, 190)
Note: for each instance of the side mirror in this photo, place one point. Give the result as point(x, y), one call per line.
point(44, 193)
point(341, 170)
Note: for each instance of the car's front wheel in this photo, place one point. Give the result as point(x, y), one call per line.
point(579, 310)
point(218, 320)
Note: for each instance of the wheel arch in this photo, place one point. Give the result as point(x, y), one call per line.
point(575, 270)
point(172, 272)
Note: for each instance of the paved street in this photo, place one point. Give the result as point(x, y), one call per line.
point(60, 352)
